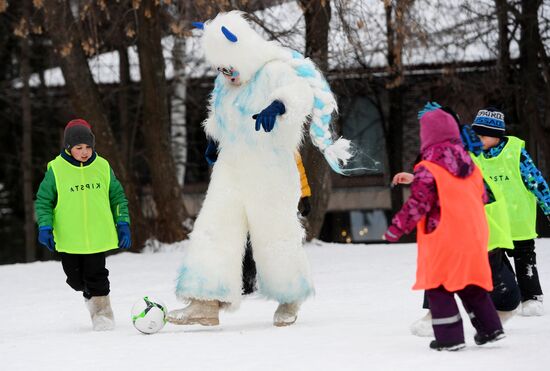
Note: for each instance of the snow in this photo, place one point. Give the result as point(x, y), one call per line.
point(358, 320)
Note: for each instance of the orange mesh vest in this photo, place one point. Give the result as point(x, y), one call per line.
point(455, 253)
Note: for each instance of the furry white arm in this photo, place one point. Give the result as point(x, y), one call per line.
point(294, 92)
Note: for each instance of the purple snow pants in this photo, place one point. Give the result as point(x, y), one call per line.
point(446, 320)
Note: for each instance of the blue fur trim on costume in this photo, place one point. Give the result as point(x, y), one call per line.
point(305, 71)
point(299, 293)
point(318, 103)
point(319, 132)
point(192, 285)
point(325, 119)
point(297, 55)
point(430, 106)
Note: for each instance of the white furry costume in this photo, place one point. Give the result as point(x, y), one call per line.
point(255, 185)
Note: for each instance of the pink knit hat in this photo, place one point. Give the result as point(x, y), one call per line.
point(435, 127)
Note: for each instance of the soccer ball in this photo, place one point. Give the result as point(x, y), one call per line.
point(149, 315)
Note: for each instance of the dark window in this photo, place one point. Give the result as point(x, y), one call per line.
point(362, 124)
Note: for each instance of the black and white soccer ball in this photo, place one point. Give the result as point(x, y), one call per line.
point(149, 315)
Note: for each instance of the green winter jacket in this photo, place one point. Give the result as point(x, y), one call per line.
point(82, 202)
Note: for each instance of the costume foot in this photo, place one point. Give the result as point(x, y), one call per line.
point(198, 312)
point(286, 314)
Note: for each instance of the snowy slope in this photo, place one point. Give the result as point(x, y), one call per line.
point(359, 320)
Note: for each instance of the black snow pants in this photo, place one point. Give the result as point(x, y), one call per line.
point(525, 262)
point(86, 273)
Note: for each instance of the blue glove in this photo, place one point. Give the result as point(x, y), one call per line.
point(266, 118)
point(470, 140)
point(124, 236)
point(45, 237)
point(211, 153)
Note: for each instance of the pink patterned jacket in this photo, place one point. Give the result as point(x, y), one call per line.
point(424, 199)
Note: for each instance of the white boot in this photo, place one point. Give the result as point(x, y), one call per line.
point(423, 326)
point(531, 308)
point(286, 314)
point(506, 315)
point(201, 312)
point(101, 313)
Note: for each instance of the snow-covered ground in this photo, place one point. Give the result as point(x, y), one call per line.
point(359, 320)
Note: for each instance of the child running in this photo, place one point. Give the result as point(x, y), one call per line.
point(446, 206)
point(507, 163)
point(82, 213)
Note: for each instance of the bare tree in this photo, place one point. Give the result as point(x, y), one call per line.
point(171, 212)
point(317, 15)
point(30, 234)
point(395, 36)
point(86, 100)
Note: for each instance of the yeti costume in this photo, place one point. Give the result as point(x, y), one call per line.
point(255, 184)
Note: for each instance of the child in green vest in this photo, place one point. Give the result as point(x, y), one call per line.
point(82, 212)
point(506, 162)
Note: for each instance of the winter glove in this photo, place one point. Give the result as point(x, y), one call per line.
point(305, 206)
point(211, 153)
point(124, 236)
point(266, 118)
point(45, 237)
point(393, 234)
point(470, 140)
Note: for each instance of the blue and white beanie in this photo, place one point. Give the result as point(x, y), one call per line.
point(489, 122)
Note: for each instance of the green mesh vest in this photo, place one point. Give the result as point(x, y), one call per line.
point(83, 222)
point(505, 174)
point(497, 215)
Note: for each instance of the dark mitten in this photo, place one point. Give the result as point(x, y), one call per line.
point(267, 117)
point(124, 235)
point(211, 153)
point(45, 237)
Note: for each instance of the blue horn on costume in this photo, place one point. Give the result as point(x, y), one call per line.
point(229, 35)
point(198, 25)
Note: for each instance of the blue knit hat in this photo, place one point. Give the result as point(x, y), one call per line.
point(489, 122)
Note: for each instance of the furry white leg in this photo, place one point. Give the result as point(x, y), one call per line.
point(101, 313)
point(198, 312)
point(423, 326)
point(286, 314)
point(211, 268)
point(281, 261)
point(532, 308)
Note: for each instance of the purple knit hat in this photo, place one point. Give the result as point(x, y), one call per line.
point(435, 127)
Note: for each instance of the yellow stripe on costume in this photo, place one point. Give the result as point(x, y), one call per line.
point(306, 190)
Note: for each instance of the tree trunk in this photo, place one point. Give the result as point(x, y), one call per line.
point(156, 127)
point(317, 17)
point(530, 75)
point(86, 102)
point(124, 73)
point(30, 234)
point(395, 35)
point(179, 128)
point(503, 40)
